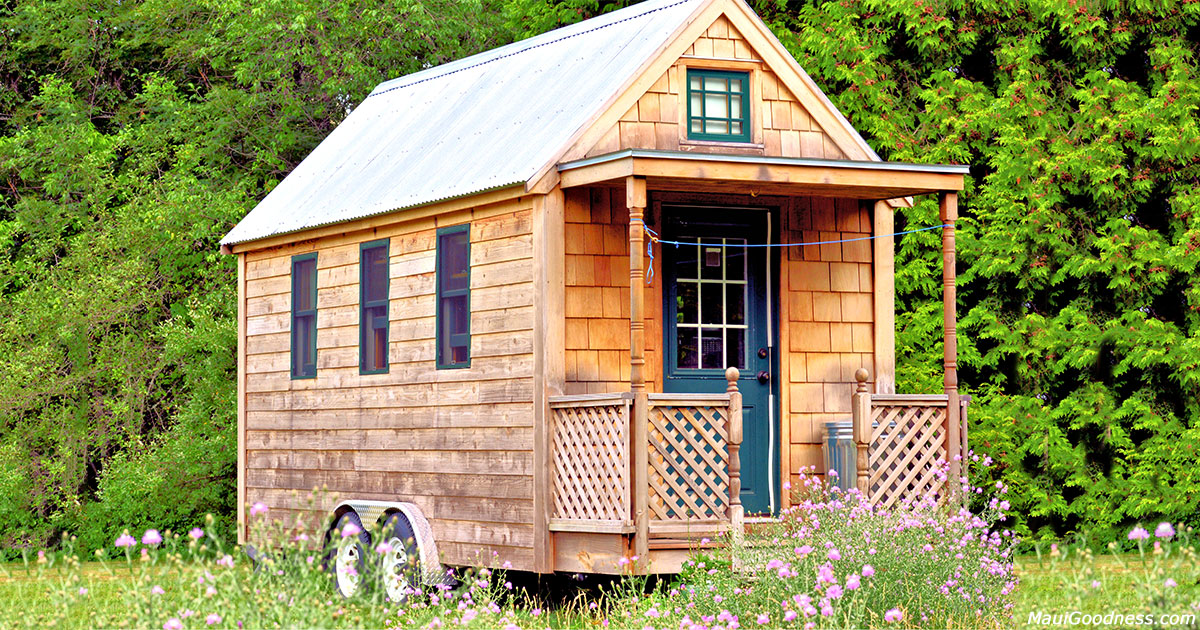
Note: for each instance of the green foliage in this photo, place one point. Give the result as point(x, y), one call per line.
point(132, 137)
point(1078, 242)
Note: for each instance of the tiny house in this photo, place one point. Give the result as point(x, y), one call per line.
point(587, 297)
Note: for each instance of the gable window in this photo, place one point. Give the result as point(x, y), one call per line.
point(454, 297)
point(304, 316)
point(718, 105)
point(373, 301)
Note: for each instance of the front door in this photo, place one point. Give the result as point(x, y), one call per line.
point(717, 315)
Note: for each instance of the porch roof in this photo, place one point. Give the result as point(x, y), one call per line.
point(685, 171)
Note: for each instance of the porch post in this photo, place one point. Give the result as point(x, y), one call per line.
point(948, 206)
point(635, 200)
point(860, 413)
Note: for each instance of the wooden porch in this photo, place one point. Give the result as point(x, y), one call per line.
point(649, 485)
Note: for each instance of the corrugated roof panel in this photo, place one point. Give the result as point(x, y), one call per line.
point(475, 124)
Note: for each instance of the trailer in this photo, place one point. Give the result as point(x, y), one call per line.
point(582, 302)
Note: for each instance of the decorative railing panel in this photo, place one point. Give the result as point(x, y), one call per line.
point(909, 445)
point(590, 452)
point(688, 472)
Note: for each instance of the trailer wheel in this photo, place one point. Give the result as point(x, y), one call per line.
point(398, 567)
point(350, 556)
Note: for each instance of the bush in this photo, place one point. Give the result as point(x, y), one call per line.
point(834, 561)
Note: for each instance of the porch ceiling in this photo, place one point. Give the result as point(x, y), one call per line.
point(694, 172)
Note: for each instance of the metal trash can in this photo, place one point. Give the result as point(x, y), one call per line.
point(841, 454)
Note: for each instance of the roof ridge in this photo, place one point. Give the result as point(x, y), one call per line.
point(531, 47)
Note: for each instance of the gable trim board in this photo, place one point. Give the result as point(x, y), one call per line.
point(769, 175)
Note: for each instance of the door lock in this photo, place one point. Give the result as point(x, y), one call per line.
point(764, 376)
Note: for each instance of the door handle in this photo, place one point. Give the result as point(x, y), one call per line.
point(764, 376)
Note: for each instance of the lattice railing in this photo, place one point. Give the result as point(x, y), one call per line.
point(688, 472)
point(590, 453)
point(907, 443)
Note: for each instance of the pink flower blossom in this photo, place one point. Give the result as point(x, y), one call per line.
point(834, 554)
point(212, 619)
point(125, 540)
point(893, 615)
point(868, 570)
point(151, 537)
point(1138, 533)
point(173, 624)
point(258, 508)
point(196, 533)
point(383, 547)
point(1170, 583)
point(803, 550)
point(350, 529)
point(156, 590)
point(834, 592)
point(226, 561)
point(852, 582)
point(789, 615)
point(763, 619)
point(83, 590)
point(1164, 530)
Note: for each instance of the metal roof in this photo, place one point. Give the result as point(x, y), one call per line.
point(480, 123)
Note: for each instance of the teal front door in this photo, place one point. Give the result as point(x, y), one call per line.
point(718, 314)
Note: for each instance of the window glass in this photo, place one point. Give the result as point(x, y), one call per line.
point(718, 105)
point(454, 302)
point(710, 304)
point(373, 300)
point(304, 316)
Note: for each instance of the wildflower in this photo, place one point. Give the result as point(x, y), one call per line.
point(258, 508)
point(173, 624)
point(209, 592)
point(1137, 533)
point(301, 537)
point(351, 530)
point(852, 582)
point(834, 592)
point(789, 615)
point(383, 547)
point(125, 540)
point(893, 615)
point(653, 613)
point(212, 619)
point(623, 561)
point(1164, 530)
point(834, 554)
point(188, 613)
point(1095, 583)
point(1170, 583)
point(151, 537)
point(803, 550)
point(226, 561)
point(763, 619)
point(83, 591)
point(157, 590)
point(868, 570)
point(468, 615)
point(196, 533)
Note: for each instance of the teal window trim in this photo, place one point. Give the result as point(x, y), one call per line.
point(368, 324)
point(304, 366)
point(702, 116)
point(447, 297)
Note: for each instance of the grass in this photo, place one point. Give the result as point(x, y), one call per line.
point(829, 562)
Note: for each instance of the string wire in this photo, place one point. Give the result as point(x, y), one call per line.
point(654, 238)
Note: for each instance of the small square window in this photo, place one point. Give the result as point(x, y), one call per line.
point(718, 105)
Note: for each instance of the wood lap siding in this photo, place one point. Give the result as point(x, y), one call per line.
point(783, 127)
point(828, 316)
point(456, 442)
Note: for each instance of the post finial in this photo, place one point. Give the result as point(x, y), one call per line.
point(861, 375)
point(732, 375)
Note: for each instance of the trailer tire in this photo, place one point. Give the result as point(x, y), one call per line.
point(400, 562)
point(348, 559)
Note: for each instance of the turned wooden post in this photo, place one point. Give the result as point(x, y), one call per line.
point(860, 408)
point(635, 200)
point(736, 512)
point(948, 206)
